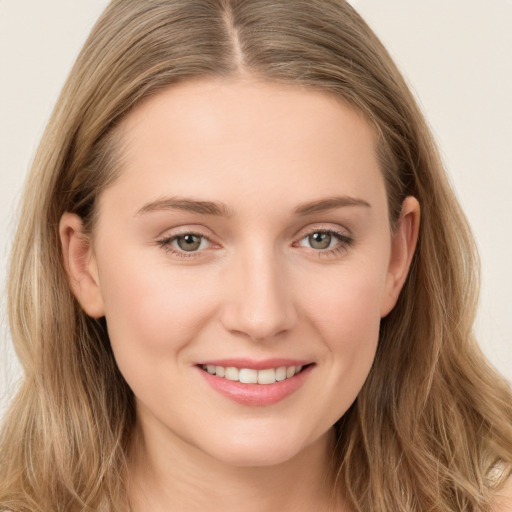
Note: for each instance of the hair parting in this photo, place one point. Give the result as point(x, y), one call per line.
point(67, 434)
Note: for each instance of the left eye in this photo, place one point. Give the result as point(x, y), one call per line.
point(321, 240)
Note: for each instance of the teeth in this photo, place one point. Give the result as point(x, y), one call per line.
point(248, 376)
point(266, 376)
point(232, 373)
point(281, 373)
point(251, 376)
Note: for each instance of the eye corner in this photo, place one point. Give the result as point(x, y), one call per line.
point(200, 243)
point(342, 239)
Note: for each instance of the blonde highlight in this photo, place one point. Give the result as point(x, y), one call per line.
point(67, 434)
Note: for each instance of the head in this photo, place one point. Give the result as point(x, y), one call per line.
point(138, 58)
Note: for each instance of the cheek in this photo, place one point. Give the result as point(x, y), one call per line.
point(151, 311)
point(345, 304)
point(346, 317)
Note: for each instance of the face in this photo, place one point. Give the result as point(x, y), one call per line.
point(243, 260)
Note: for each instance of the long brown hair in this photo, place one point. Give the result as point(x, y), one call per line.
point(433, 423)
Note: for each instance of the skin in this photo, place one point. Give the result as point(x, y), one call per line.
point(256, 288)
point(503, 498)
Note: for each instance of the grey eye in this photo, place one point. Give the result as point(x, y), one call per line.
point(189, 242)
point(320, 240)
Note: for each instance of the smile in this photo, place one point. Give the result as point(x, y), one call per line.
point(252, 376)
point(253, 383)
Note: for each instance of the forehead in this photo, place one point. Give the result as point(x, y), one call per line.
point(221, 137)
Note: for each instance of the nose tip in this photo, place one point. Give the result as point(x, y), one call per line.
point(264, 319)
point(260, 305)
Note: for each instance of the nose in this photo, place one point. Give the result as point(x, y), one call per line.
point(258, 296)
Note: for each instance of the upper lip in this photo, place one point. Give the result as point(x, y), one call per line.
point(255, 364)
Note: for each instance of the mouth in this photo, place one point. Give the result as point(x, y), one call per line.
point(256, 384)
point(264, 376)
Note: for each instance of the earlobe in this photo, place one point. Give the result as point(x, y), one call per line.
point(403, 245)
point(80, 265)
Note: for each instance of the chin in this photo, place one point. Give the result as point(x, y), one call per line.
point(260, 449)
point(257, 456)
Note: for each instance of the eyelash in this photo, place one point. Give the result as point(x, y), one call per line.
point(166, 242)
point(344, 243)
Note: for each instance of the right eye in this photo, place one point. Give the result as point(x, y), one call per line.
point(184, 244)
point(190, 242)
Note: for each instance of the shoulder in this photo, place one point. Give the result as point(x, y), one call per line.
point(503, 497)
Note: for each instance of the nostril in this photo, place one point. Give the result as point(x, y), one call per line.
point(259, 308)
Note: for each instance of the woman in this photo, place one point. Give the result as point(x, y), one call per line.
point(240, 270)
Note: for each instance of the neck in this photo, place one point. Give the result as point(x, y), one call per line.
point(168, 474)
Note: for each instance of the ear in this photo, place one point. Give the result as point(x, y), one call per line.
point(403, 244)
point(80, 265)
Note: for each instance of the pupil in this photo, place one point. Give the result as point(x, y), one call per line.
point(320, 240)
point(189, 242)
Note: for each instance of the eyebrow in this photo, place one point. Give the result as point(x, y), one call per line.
point(222, 210)
point(330, 203)
point(189, 205)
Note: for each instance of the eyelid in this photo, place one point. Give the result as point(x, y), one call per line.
point(345, 240)
point(185, 229)
point(329, 228)
point(165, 242)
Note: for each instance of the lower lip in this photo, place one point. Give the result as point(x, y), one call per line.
point(256, 394)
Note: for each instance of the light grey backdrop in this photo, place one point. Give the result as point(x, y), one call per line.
point(456, 55)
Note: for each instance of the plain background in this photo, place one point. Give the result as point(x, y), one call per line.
point(455, 54)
